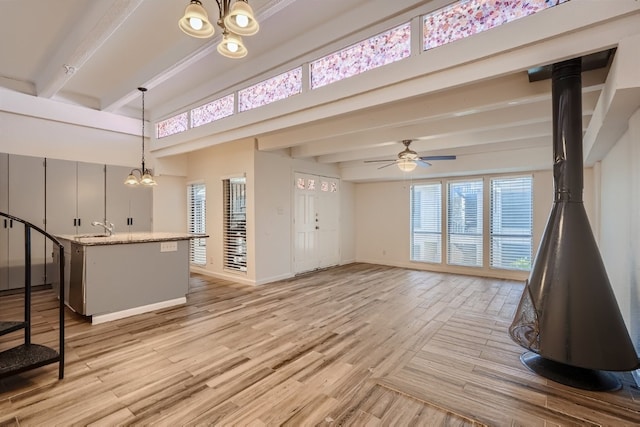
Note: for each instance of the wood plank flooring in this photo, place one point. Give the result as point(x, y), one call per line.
point(353, 345)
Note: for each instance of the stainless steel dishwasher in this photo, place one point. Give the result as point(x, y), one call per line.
point(76, 279)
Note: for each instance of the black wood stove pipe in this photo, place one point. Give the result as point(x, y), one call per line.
point(568, 313)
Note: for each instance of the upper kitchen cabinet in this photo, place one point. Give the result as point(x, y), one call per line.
point(21, 195)
point(4, 230)
point(128, 208)
point(75, 196)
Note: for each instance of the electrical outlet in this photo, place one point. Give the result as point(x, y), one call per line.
point(168, 246)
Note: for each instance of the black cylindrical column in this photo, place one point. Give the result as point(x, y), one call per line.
point(567, 129)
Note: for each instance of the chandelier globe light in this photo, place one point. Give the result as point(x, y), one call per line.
point(195, 21)
point(241, 20)
point(236, 19)
point(231, 46)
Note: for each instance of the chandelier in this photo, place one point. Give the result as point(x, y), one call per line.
point(236, 20)
point(145, 174)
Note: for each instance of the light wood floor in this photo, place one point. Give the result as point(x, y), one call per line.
point(353, 345)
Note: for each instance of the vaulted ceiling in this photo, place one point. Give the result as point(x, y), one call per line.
point(472, 98)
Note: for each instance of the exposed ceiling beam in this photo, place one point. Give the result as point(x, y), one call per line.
point(83, 42)
point(438, 131)
point(466, 138)
point(489, 95)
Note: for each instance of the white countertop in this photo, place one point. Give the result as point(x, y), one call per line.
point(124, 238)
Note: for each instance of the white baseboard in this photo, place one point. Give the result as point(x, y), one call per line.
point(102, 318)
point(230, 277)
point(241, 279)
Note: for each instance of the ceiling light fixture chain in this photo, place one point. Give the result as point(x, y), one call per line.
point(236, 18)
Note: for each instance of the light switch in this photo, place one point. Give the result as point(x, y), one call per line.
point(168, 246)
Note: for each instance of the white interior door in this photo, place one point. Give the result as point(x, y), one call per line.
point(328, 222)
point(305, 233)
point(316, 222)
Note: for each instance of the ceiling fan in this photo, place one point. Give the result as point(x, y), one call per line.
point(408, 159)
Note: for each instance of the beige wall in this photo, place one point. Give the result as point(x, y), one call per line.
point(170, 204)
point(211, 166)
point(382, 223)
point(269, 207)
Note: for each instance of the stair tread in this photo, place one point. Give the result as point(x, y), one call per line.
point(7, 327)
point(25, 357)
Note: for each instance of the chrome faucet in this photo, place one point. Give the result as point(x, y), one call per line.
point(108, 226)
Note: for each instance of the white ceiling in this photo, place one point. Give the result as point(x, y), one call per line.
point(95, 53)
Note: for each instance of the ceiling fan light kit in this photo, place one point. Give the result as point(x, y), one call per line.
point(235, 20)
point(408, 159)
point(406, 165)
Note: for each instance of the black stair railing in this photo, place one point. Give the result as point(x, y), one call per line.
point(28, 355)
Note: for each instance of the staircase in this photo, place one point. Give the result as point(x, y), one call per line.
point(28, 355)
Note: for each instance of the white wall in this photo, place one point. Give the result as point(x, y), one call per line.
point(619, 225)
point(382, 215)
point(274, 216)
point(348, 222)
point(274, 173)
point(30, 136)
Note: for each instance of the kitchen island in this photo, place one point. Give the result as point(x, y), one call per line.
point(116, 276)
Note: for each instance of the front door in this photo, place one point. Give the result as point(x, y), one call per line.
point(316, 222)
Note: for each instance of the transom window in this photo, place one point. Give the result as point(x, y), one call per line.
point(374, 52)
point(461, 19)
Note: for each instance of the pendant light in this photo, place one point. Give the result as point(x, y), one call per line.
point(146, 178)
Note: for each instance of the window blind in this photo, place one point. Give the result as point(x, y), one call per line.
point(426, 222)
point(464, 223)
point(235, 224)
point(196, 194)
point(511, 229)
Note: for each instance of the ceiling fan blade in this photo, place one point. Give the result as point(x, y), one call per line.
point(386, 166)
point(422, 163)
point(437, 158)
point(378, 161)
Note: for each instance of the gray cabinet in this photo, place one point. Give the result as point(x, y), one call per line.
point(75, 196)
point(4, 224)
point(22, 195)
point(128, 208)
